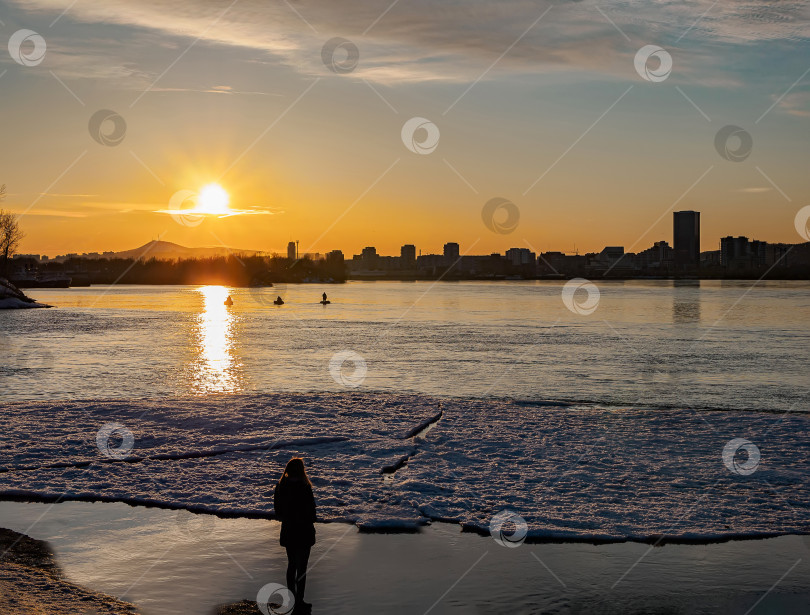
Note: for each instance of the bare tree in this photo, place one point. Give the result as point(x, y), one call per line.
point(10, 237)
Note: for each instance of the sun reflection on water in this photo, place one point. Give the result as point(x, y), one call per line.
point(216, 368)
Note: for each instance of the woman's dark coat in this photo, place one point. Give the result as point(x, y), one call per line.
point(295, 508)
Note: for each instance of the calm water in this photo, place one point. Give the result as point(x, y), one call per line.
point(699, 344)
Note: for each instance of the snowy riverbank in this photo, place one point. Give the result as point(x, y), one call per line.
point(574, 473)
point(12, 298)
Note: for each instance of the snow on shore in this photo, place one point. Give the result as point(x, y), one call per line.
point(573, 473)
point(12, 298)
point(12, 303)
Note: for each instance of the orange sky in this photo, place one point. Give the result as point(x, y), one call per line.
point(591, 153)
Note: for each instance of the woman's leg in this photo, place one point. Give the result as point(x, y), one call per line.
point(291, 570)
point(302, 559)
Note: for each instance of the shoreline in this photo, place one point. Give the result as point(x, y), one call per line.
point(436, 279)
point(415, 528)
point(32, 582)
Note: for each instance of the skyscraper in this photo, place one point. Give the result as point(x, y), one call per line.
point(292, 252)
point(451, 250)
point(686, 238)
point(407, 255)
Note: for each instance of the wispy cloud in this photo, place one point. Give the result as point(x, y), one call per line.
point(755, 190)
point(796, 103)
point(205, 214)
point(426, 41)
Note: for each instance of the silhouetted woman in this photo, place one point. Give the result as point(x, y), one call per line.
point(295, 508)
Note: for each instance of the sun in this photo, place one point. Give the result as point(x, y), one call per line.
point(213, 200)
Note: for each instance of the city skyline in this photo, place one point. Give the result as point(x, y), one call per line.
point(505, 246)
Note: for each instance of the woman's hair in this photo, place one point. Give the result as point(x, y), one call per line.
point(295, 469)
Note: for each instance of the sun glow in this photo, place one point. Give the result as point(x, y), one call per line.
point(216, 369)
point(213, 200)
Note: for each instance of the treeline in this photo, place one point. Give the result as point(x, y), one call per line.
point(230, 270)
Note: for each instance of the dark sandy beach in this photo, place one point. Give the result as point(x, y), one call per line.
point(31, 582)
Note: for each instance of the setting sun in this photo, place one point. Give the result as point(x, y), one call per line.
point(213, 200)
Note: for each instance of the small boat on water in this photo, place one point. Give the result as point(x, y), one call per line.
point(278, 301)
point(229, 301)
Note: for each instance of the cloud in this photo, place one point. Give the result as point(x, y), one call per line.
point(796, 103)
point(58, 213)
point(205, 214)
point(451, 40)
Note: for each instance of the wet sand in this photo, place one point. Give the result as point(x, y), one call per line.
point(31, 582)
point(173, 562)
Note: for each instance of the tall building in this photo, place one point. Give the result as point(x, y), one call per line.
point(335, 257)
point(407, 255)
point(686, 235)
point(292, 252)
point(518, 257)
point(451, 250)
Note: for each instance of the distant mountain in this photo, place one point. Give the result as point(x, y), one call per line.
point(166, 250)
